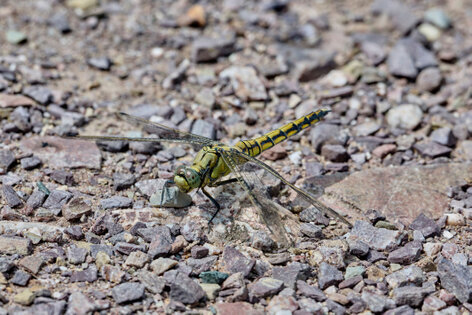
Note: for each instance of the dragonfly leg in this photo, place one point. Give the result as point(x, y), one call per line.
point(215, 203)
point(224, 182)
point(165, 189)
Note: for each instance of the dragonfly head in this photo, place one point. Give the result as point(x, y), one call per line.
point(186, 178)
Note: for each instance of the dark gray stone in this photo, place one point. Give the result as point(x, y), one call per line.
point(62, 177)
point(30, 163)
point(234, 261)
point(263, 241)
point(128, 292)
point(425, 225)
point(206, 49)
point(265, 287)
point(7, 159)
point(161, 241)
point(432, 149)
point(311, 214)
point(201, 265)
point(328, 275)
point(75, 232)
point(409, 295)
point(20, 278)
point(199, 252)
point(376, 238)
point(334, 153)
point(36, 199)
point(40, 94)
point(151, 281)
point(116, 202)
point(76, 255)
point(128, 248)
point(444, 136)
point(185, 290)
point(310, 291)
point(86, 275)
point(204, 128)
point(377, 303)
point(101, 63)
point(122, 181)
point(456, 279)
point(11, 197)
point(311, 230)
point(56, 199)
point(358, 248)
point(400, 63)
point(291, 273)
point(406, 254)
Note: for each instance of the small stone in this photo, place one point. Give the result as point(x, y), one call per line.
point(265, 287)
point(455, 219)
point(432, 149)
point(16, 37)
point(112, 273)
point(319, 63)
point(432, 303)
point(406, 116)
point(206, 49)
point(161, 265)
point(20, 278)
point(405, 276)
point(350, 283)
point(173, 198)
point(75, 232)
point(438, 17)
point(32, 263)
point(80, 303)
point(56, 199)
point(409, 295)
point(358, 248)
point(211, 290)
point(185, 290)
point(213, 277)
point(199, 252)
point(86, 275)
point(432, 249)
point(429, 79)
point(400, 63)
point(352, 272)
point(11, 197)
point(137, 259)
point(406, 254)
point(25, 297)
point(430, 32)
point(101, 63)
point(263, 241)
point(128, 292)
point(127, 248)
point(151, 282)
point(15, 245)
point(311, 230)
point(76, 208)
point(7, 159)
point(425, 225)
point(40, 94)
point(195, 16)
point(161, 241)
point(377, 303)
point(291, 273)
point(116, 202)
point(383, 150)
point(62, 177)
point(236, 308)
point(328, 275)
point(456, 279)
point(234, 261)
point(402, 310)
point(444, 136)
point(378, 239)
point(76, 255)
point(334, 153)
point(30, 163)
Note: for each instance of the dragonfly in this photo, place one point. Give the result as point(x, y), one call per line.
point(216, 160)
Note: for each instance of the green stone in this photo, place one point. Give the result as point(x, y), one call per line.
point(16, 37)
point(386, 225)
point(25, 297)
point(352, 272)
point(213, 277)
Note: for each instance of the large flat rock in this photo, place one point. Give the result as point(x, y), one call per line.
point(59, 153)
point(401, 193)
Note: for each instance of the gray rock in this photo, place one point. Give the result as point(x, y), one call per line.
point(201, 265)
point(246, 83)
point(425, 225)
point(36, 199)
point(86, 275)
point(401, 15)
point(30, 163)
point(311, 230)
point(113, 146)
point(128, 292)
point(291, 273)
point(62, 177)
point(56, 199)
point(96, 248)
point(152, 282)
point(422, 57)
point(320, 63)
point(60, 21)
point(40, 94)
point(406, 254)
point(456, 279)
point(161, 242)
point(199, 252)
point(374, 52)
point(409, 295)
point(437, 17)
point(358, 248)
point(444, 136)
point(234, 261)
point(265, 287)
point(185, 290)
point(11, 197)
point(20, 278)
point(328, 275)
point(100, 63)
point(334, 153)
point(106, 224)
point(204, 128)
point(116, 202)
point(310, 291)
point(205, 49)
point(325, 134)
point(432, 149)
point(311, 214)
point(170, 197)
point(263, 241)
point(377, 303)
point(376, 238)
point(76, 208)
point(128, 248)
point(79, 303)
point(177, 75)
point(400, 63)
point(408, 275)
point(7, 159)
point(76, 255)
point(429, 79)
point(402, 310)
point(122, 181)
point(75, 232)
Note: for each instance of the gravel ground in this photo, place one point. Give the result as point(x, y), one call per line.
point(79, 233)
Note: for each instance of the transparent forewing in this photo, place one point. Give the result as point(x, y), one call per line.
point(278, 220)
point(241, 157)
point(165, 133)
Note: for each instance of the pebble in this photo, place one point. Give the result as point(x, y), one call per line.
point(20, 278)
point(444, 136)
point(319, 63)
point(184, 289)
point(116, 202)
point(137, 259)
point(425, 225)
point(56, 199)
point(62, 177)
point(408, 275)
point(211, 290)
point(40, 94)
point(430, 32)
point(291, 274)
point(406, 116)
point(377, 303)
point(30, 163)
point(79, 303)
point(32, 263)
point(455, 219)
point(25, 297)
point(161, 265)
point(205, 49)
point(429, 79)
point(173, 198)
point(100, 63)
point(86, 275)
point(128, 292)
point(246, 83)
point(328, 275)
point(7, 159)
point(75, 232)
point(400, 63)
point(76, 208)
point(334, 153)
point(265, 287)
point(234, 261)
point(375, 238)
point(438, 17)
point(406, 254)
point(11, 197)
point(409, 295)
point(76, 255)
point(352, 272)
point(15, 245)
point(432, 149)
point(456, 279)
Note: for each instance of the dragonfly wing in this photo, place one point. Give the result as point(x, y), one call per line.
point(165, 132)
point(244, 158)
point(140, 139)
point(270, 212)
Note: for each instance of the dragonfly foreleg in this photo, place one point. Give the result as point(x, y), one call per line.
point(215, 203)
point(224, 182)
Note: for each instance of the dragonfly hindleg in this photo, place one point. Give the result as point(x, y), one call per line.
point(224, 182)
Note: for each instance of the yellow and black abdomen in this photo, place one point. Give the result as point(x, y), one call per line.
point(258, 145)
